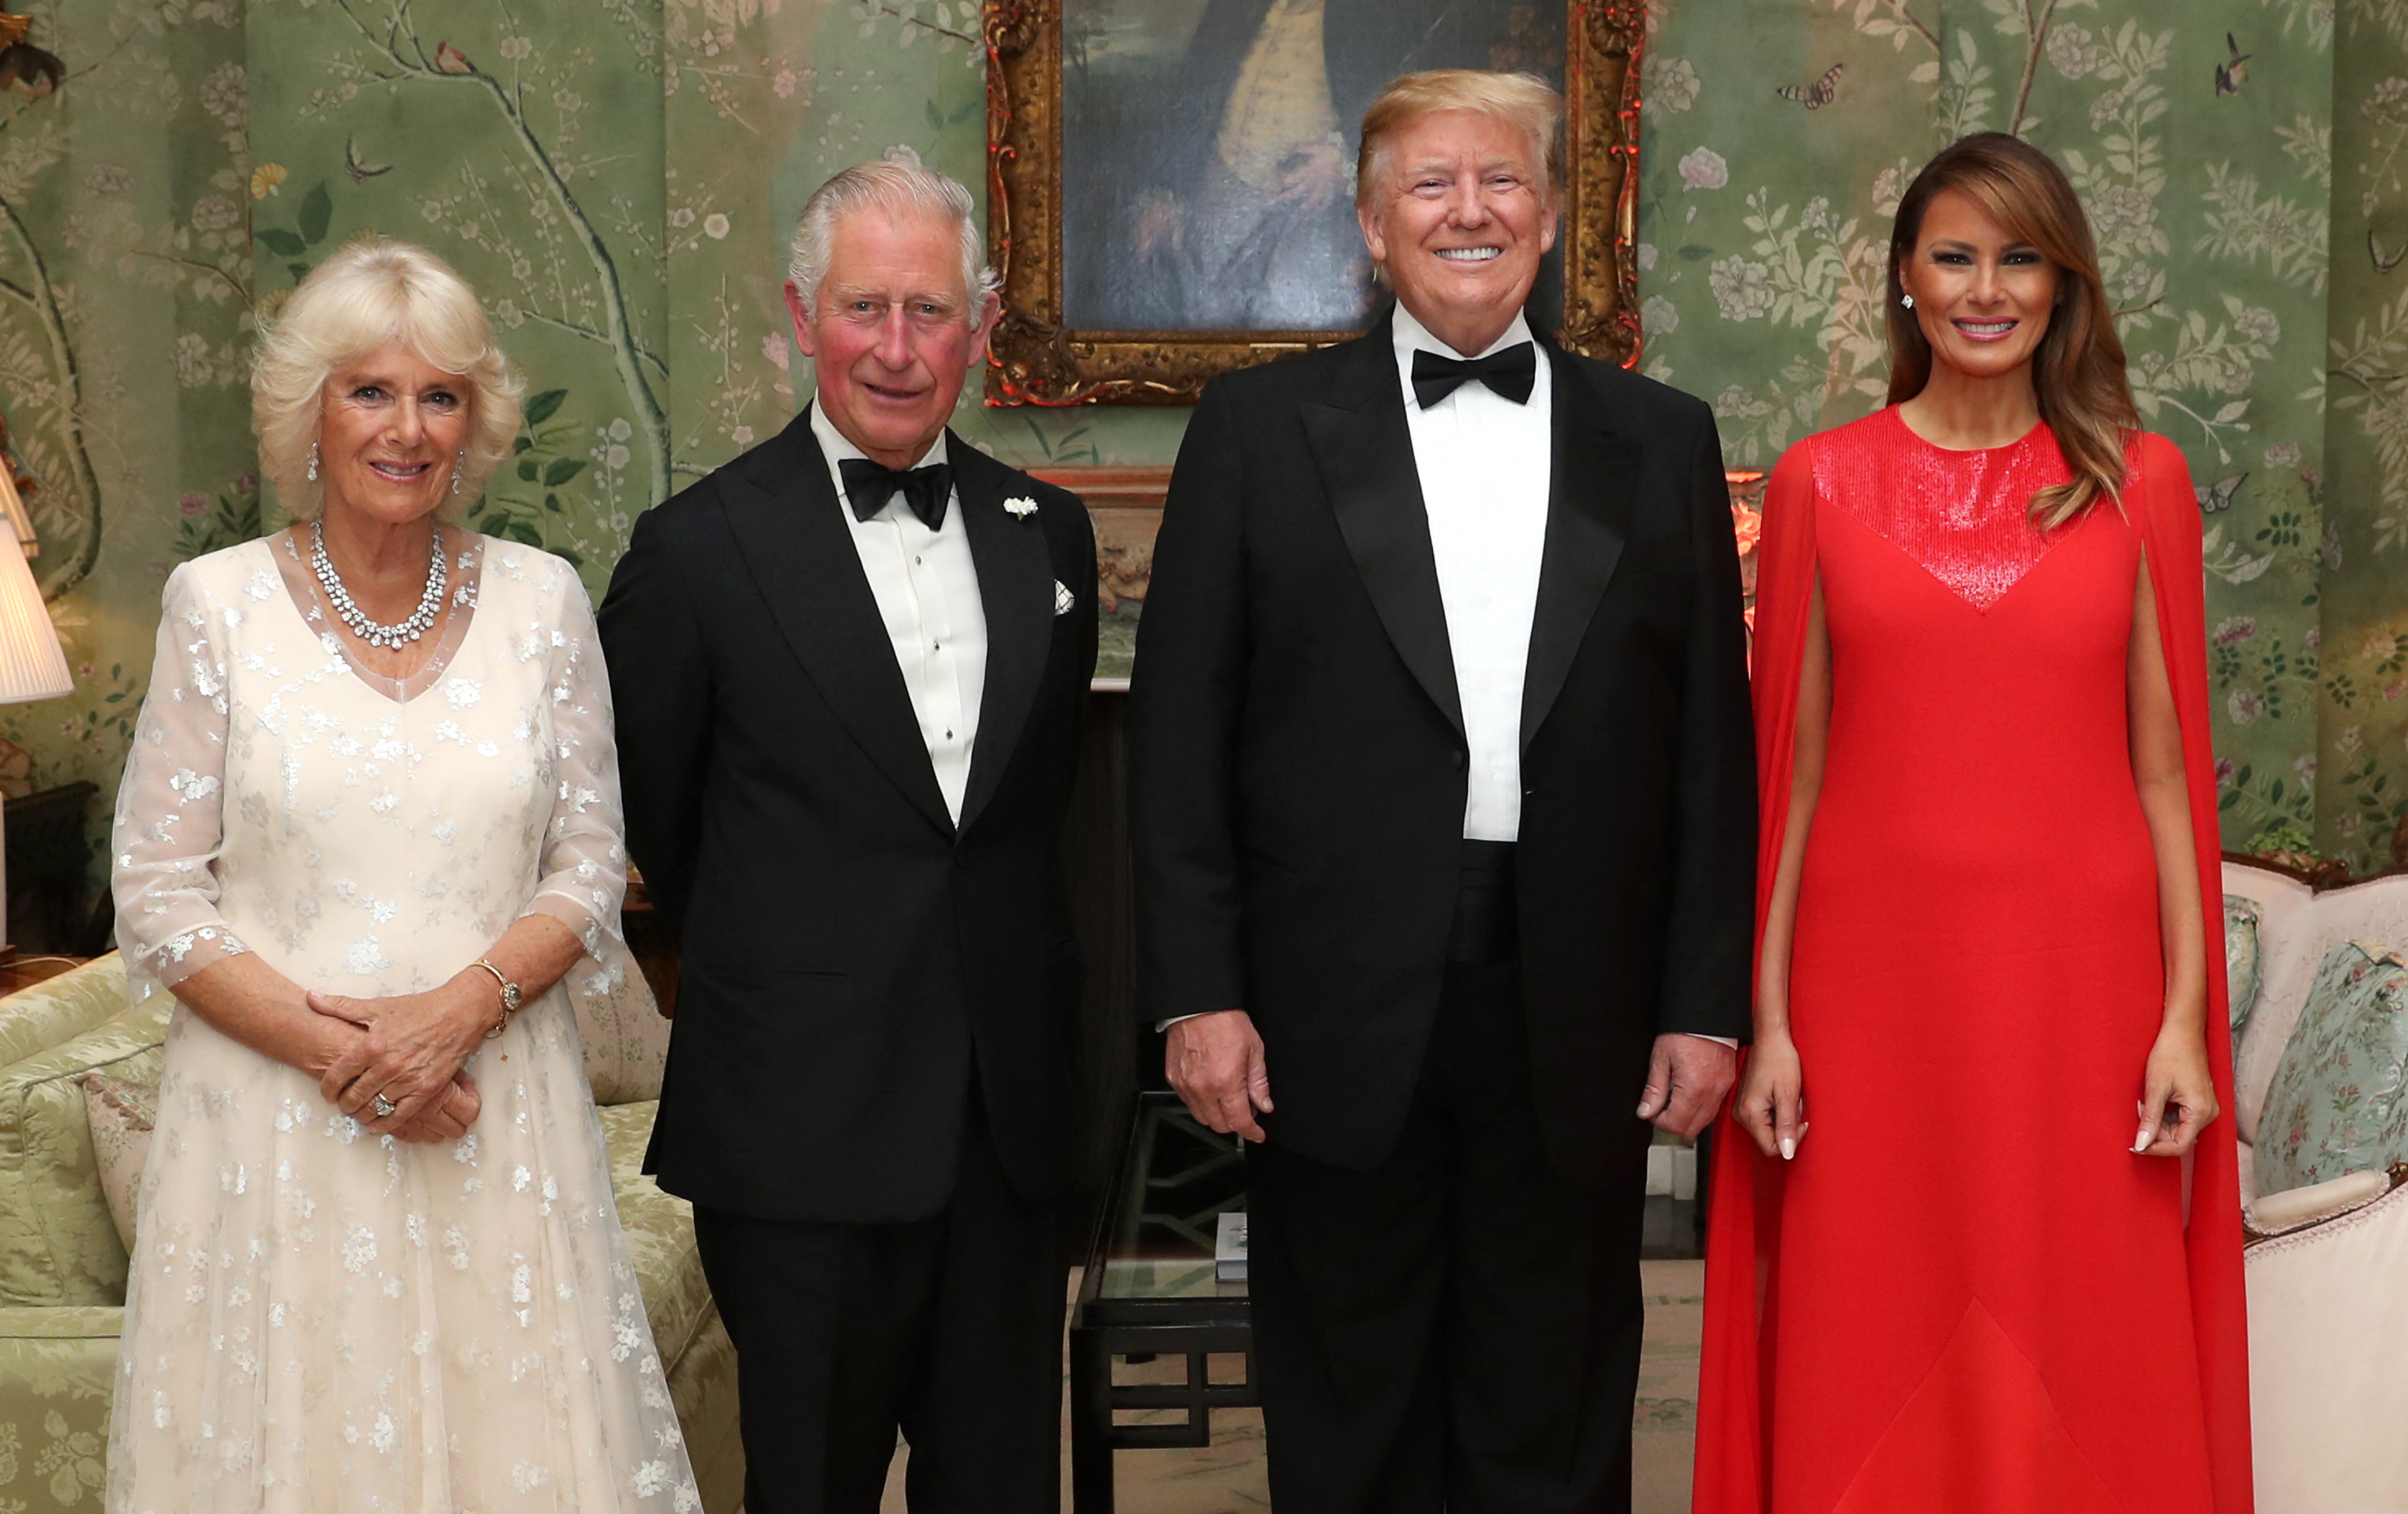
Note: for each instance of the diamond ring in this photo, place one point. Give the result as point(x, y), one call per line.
point(384, 1107)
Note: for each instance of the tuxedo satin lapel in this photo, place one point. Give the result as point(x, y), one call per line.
point(1016, 590)
point(1591, 476)
point(792, 536)
point(1366, 455)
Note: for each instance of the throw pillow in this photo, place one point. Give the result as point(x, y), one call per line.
point(121, 1110)
point(2339, 1100)
point(2241, 948)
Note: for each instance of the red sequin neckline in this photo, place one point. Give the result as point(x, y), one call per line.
point(1964, 516)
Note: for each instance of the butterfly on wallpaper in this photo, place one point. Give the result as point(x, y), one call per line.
point(2219, 494)
point(2229, 75)
point(2374, 254)
point(1816, 95)
point(361, 172)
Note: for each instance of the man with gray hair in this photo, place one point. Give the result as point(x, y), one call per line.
point(849, 668)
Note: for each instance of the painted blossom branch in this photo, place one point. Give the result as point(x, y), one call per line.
point(2035, 40)
point(872, 7)
point(198, 266)
point(44, 301)
point(578, 328)
point(405, 52)
point(1906, 18)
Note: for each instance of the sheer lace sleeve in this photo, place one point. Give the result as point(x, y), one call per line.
point(164, 842)
point(584, 854)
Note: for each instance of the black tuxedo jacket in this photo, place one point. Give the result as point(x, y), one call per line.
point(849, 956)
point(1297, 759)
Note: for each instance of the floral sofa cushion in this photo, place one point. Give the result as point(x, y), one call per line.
point(2339, 1100)
point(121, 1105)
point(58, 1008)
point(2241, 948)
point(58, 1243)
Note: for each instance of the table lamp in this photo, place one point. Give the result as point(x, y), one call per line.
point(31, 664)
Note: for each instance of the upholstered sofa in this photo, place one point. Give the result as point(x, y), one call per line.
point(76, 1066)
point(2320, 1076)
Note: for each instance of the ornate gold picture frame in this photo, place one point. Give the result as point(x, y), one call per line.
point(1036, 358)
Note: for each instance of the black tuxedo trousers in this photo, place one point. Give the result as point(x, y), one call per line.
point(1457, 1327)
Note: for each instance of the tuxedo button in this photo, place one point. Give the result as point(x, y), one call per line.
point(1456, 758)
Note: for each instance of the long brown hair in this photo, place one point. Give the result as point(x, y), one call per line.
point(2078, 370)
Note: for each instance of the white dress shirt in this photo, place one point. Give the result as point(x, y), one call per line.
point(1485, 465)
point(927, 590)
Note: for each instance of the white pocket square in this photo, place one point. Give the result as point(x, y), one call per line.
point(1064, 602)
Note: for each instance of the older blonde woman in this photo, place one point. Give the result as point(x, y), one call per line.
point(369, 824)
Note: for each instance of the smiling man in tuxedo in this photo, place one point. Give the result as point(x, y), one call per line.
point(1443, 798)
point(849, 667)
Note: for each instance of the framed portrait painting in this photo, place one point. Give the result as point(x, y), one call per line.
point(1171, 182)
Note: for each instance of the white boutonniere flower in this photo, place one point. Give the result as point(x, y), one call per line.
point(1022, 508)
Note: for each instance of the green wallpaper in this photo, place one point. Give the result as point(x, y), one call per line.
point(1766, 222)
point(618, 178)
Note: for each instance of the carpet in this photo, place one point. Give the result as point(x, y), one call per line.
point(1228, 1476)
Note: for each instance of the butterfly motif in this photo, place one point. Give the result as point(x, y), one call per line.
point(1816, 95)
point(2375, 252)
point(2229, 75)
point(2219, 494)
point(360, 171)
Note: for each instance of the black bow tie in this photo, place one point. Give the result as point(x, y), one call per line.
point(868, 486)
point(1510, 373)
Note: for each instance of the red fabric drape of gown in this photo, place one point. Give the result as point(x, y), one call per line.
point(1966, 1294)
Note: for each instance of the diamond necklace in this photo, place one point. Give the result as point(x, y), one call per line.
point(419, 622)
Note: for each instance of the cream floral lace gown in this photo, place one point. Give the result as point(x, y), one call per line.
point(320, 1320)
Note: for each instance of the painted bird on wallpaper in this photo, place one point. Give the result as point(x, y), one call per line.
point(1816, 95)
point(22, 63)
point(2229, 75)
point(451, 60)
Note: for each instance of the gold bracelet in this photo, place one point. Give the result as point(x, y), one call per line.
point(509, 997)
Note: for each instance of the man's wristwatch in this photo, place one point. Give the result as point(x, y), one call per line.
point(509, 998)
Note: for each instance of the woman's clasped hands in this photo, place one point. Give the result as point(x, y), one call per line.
point(411, 1049)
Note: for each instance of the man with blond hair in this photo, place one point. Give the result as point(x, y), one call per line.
point(849, 668)
point(1443, 798)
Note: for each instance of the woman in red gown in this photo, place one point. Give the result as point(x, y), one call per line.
point(1988, 879)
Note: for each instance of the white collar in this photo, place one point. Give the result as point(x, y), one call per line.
point(1411, 335)
point(835, 446)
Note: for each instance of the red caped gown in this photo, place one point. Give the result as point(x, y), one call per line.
point(1966, 1295)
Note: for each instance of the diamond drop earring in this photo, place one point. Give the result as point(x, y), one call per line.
point(455, 469)
point(313, 461)
point(1907, 300)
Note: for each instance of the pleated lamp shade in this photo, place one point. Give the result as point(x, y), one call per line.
point(31, 665)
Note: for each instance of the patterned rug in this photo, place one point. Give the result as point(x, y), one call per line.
point(1226, 1477)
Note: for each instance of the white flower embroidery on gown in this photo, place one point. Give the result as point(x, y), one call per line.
point(320, 1321)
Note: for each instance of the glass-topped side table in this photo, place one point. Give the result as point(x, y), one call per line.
point(1150, 1291)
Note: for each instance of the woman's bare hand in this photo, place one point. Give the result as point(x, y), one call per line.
point(1770, 1105)
point(2177, 1096)
point(414, 1045)
point(448, 1116)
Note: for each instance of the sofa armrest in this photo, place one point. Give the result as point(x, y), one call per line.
point(58, 1367)
point(2295, 1210)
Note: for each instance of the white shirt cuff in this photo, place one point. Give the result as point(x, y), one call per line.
point(1731, 1041)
